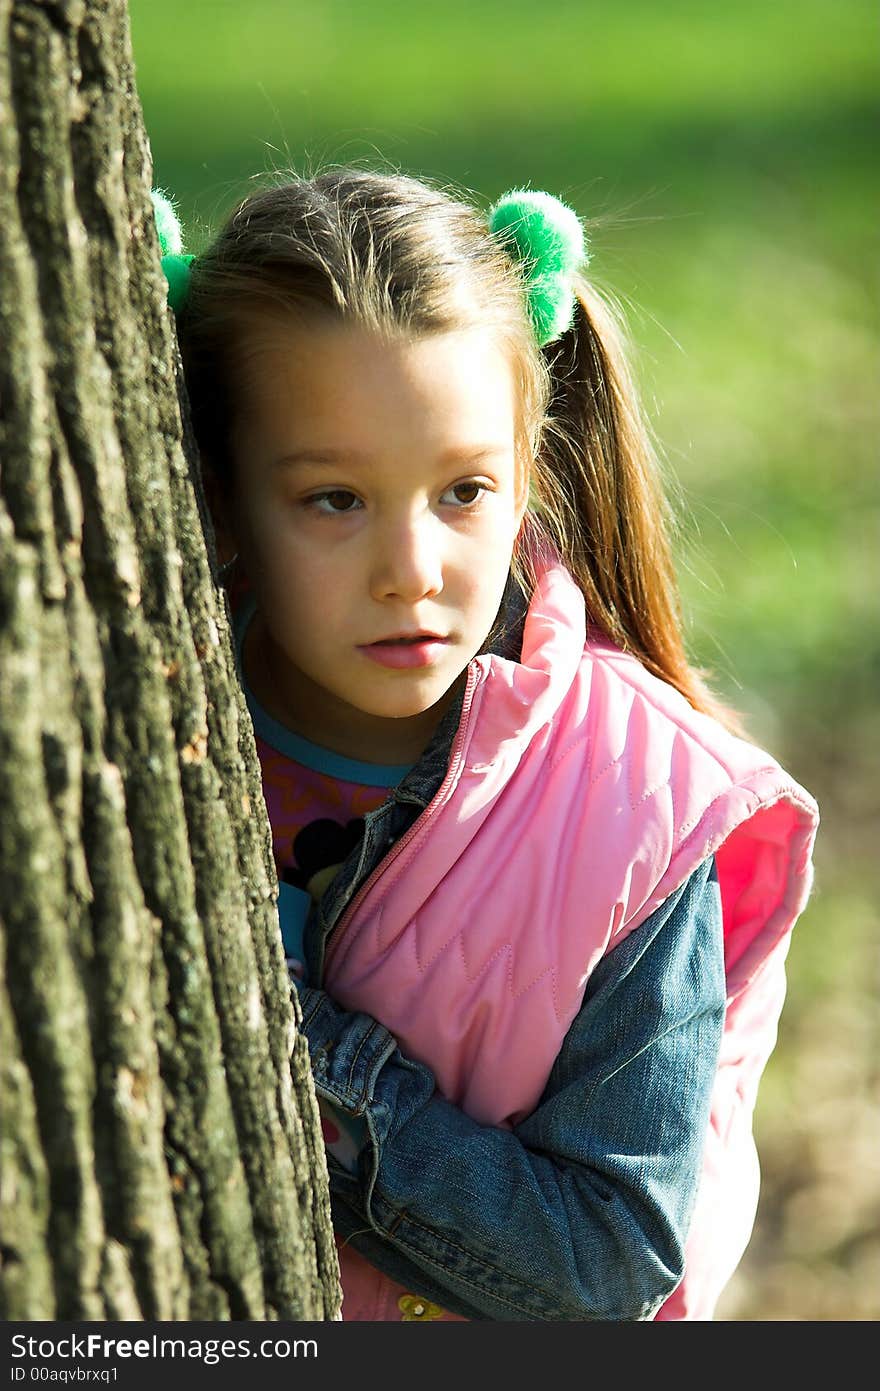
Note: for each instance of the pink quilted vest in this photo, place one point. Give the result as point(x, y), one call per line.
point(476, 957)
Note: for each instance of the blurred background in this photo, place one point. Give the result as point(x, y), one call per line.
point(725, 158)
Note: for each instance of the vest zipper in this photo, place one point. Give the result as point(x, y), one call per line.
point(452, 773)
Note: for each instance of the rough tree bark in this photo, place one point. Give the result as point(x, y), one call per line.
point(160, 1148)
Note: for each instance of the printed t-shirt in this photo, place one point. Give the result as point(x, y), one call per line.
point(316, 801)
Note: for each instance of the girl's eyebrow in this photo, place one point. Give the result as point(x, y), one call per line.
point(464, 454)
point(320, 456)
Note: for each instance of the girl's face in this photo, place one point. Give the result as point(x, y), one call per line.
point(375, 505)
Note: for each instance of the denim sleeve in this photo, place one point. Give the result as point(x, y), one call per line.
point(581, 1211)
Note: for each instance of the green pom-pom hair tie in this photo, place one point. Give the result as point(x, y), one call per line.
point(546, 237)
point(175, 264)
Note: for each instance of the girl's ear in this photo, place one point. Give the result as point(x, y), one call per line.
point(523, 485)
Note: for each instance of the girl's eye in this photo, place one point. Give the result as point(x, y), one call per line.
point(333, 502)
point(465, 494)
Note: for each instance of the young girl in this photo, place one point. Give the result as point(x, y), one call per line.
point(535, 893)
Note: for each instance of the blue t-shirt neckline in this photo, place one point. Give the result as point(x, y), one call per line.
point(294, 746)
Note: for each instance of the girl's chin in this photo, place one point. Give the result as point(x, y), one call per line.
point(421, 699)
point(411, 710)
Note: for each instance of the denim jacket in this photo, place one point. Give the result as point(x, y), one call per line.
point(582, 1210)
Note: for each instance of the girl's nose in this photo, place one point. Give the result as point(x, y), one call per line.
point(408, 564)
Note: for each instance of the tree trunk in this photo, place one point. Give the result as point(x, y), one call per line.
point(160, 1147)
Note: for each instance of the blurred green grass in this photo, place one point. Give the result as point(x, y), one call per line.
point(725, 159)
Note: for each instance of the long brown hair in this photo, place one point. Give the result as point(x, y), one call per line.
point(399, 256)
point(599, 496)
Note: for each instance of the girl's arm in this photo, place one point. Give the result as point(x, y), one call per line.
point(581, 1211)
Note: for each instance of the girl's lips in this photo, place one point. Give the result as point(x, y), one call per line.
point(398, 654)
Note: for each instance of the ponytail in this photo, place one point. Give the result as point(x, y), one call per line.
point(597, 495)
